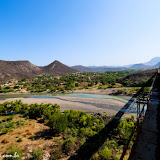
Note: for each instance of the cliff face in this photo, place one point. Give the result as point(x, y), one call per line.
point(25, 69)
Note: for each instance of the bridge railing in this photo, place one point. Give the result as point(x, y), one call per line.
point(144, 100)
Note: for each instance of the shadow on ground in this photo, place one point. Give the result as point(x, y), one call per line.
point(45, 134)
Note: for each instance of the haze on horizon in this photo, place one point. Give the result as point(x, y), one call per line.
point(82, 32)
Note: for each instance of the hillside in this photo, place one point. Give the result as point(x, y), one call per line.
point(139, 66)
point(82, 68)
point(17, 70)
point(157, 65)
point(58, 68)
point(97, 68)
point(25, 69)
point(153, 61)
point(138, 76)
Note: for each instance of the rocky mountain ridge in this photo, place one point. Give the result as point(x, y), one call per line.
point(25, 69)
point(153, 63)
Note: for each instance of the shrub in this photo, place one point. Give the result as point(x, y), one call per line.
point(105, 153)
point(13, 150)
point(5, 130)
point(58, 122)
point(56, 154)
point(9, 118)
point(76, 85)
point(106, 114)
point(37, 154)
point(19, 140)
point(53, 89)
point(96, 156)
point(61, 89)
point(69, 144)
point(82, 141)
point(32, 138)
point(87, 132)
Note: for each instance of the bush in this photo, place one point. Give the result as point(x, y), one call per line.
point(58, 122)
point(82, 141)
point(106, 114)
point(19, 140)
point(69, 145)
point(87, 132)
point(53, 89)
point(37, 154)
point(76, 85)
point(61, 89)
point(105, 153)
point(56, 154)
point(14, 151)
point(96, 157)
point(5, 130)
point(32, 138)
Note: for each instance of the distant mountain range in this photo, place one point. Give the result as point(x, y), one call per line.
point(97, 69)
point(25, 69)
point(153, 63)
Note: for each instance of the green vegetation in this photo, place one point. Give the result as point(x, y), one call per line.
point(56, 154)
point(7, 124)
point(14, 153)
point(37, 154)
point(74, 126)
point(86, 80)
point(113, 146)
point(19, 140)
point(130, 91)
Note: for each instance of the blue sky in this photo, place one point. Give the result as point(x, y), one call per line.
point(87, 32)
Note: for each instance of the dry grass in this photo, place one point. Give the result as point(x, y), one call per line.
point(5, 141)
point(31, 128)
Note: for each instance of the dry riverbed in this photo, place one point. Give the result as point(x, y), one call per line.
point(88, 105)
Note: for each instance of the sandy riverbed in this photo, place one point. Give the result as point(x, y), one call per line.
point(91, 105)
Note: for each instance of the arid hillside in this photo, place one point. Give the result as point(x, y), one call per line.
point(25, 69)
point(57, 68)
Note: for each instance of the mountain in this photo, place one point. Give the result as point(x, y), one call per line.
point(82, 68)
point(156, 66)
point(104, 69)
point(25, 69)
point(17, 70)
point(153, 61)
point(139, 66)
point(97, 68)
point(58, 68)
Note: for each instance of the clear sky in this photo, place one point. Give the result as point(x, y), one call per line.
point(86, 32)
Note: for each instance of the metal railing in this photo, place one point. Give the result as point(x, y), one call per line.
point(140, 100)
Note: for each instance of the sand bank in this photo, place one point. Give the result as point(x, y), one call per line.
point(89, 105)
